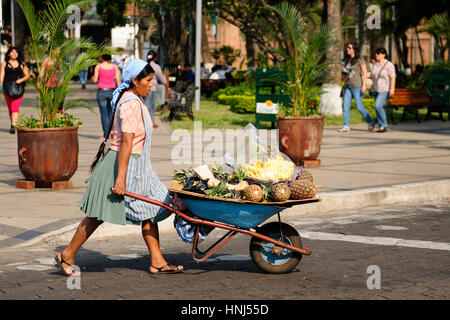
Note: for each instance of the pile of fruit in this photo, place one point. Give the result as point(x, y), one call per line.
point(270, 181)
point(271, 170)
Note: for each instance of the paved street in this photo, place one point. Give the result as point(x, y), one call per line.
point(408, 247)
point(409, 164)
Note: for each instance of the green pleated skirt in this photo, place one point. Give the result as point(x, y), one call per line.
point(98, 200)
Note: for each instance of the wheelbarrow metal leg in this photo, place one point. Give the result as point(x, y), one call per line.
point(212, 249)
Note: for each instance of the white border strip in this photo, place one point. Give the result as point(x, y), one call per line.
point(383, 241)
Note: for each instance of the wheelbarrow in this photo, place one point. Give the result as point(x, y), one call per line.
point(275, 247)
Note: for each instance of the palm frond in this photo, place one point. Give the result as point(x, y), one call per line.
point(303, 63)
point(66, 56)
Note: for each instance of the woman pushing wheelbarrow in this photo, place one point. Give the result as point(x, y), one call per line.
point(126, 166)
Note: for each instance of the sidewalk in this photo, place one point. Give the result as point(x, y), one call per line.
point(408, 164)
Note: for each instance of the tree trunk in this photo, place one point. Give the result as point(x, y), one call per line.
point(140, 41)
point(398, 46)
point(206, 54)
point(250, 49)
point(405, 49)
point(162, 45)
point(325, 12)
point(361, 23)
point(175, 39)
point(330, 101)
point(19, 27)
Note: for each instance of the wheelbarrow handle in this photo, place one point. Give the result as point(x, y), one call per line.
point(155, 202)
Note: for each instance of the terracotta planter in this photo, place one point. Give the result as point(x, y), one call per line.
point(48, 155)
point(300, 138)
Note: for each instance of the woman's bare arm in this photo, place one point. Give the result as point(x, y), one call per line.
point(2, 72)
point(364, 77)
point(95, 77)
point(26, 74)
point(124, 156)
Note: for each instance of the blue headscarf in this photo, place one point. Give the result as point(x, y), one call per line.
point(132, 69)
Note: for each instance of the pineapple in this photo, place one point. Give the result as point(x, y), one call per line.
point(306, 175)
point(280, 192)
point(267, 189)
point(253, 193)
point(302, 189)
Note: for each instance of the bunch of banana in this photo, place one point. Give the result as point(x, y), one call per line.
point(274, 170)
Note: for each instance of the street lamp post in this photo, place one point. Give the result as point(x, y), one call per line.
point(198, 43)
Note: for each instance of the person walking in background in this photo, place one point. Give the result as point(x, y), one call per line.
point(119, 59)
point(204, 72)
point(83, 74)
point(13, 75)
point(107, 74)
point(383, 77)
point(355, 86)
point(159, 77)
point(128, 157)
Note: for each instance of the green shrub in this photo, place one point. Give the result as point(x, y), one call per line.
point(247, 104)
point(58, 120)
point(241, 89)
point(243, 104)
point(238, 103)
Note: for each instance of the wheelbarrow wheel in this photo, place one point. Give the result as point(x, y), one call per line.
point(270, 258)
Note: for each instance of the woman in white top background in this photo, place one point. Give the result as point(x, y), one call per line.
point(158, 78)
point(383, 76)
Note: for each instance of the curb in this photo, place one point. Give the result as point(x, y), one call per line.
point(411, 193)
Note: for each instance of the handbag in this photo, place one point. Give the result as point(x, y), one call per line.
point(373, 90)
point(14, 90)
point(344, 87)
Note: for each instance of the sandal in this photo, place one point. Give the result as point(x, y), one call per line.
point(344, 129)
point(65, 271)
point(382, 130)
point(169, 270)
point(371, 126)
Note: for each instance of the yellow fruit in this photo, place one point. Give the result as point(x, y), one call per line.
point(272, 169)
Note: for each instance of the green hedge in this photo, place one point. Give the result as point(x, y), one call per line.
point(243, 104)
point(247, 104)
point(241, 90)
point(238, 103)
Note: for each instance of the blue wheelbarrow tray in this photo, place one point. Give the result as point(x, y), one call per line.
point(241, 213)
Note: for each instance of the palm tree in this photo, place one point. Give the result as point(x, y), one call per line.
point(439, 27)
point(58, 58)
point(330, 102)
point(303, 60)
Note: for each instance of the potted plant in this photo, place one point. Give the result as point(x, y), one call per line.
point(300, 127)
point(48, 143)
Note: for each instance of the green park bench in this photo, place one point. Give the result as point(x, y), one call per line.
point(438, 87)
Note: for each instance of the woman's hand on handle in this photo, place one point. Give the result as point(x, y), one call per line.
point(119, 188)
